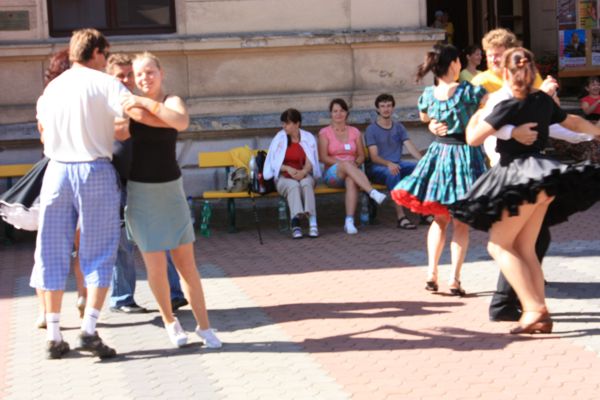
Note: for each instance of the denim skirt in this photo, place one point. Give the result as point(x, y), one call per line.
point(157, 215)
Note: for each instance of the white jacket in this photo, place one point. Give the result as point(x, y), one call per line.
point(277, 150)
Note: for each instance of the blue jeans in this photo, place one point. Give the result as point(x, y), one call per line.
point(123, 279)
point(380, 174)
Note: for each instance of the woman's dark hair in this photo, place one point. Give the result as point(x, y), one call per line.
point(437, 60)
point(59, 63)
point(291, 115)
point(520, 63)
point(384, 98)
point(340, 102)
point(467, 51)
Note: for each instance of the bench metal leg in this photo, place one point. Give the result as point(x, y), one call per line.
point(231, 215)
point(282, 215)
point(9, 230)
point(372, 211)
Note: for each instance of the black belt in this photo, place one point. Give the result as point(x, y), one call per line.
point(507, 158)
point(454, 138)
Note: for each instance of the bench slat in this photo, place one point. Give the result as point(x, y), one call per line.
point(223, 194)
point(14, 170)
point(215, 159)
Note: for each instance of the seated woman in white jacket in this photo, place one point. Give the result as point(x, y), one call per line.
point(293, 161)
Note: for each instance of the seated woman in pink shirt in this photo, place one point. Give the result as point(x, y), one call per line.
point(342, 150)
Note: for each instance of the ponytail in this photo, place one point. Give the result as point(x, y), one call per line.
point(438, 61)
point(520, 63)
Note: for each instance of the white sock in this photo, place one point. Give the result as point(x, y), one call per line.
point(90, 318)
point(349, 220)
point(312, 220)
point(53, 327)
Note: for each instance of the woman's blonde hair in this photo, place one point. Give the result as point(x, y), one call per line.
point(147, 56)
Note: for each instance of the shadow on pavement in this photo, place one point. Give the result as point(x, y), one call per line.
point(573, 290)
point(230, 320)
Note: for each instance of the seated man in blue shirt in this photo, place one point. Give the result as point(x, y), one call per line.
point(385, 139)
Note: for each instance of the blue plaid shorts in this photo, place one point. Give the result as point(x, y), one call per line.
point(84, 191)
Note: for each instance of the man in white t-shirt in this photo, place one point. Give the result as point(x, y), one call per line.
point(76, 116)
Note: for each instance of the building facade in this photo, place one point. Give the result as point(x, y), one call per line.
point(237, 63)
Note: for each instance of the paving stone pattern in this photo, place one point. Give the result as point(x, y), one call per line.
point(338, 317)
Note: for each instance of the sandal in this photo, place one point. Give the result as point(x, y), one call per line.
point(404, 223)
point(457, 291)
point(426, 220)
point(431, 286)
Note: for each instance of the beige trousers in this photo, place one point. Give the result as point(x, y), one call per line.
point(300, 195)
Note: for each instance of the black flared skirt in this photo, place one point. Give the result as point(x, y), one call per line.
point(506, 186)
point(19, 205)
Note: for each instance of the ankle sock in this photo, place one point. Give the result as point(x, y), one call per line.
point(349, 220)
point(90, 318)
point(53, 327)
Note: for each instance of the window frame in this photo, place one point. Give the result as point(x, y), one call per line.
point(112, 18)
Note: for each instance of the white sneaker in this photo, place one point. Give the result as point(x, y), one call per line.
point(176, 333)
point(377, 196)
point(209, 338)
point(313, 232)
point(40, 322)
point(297, 232)
point(350, 229)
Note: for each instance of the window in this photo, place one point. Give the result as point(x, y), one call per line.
point(112, 17)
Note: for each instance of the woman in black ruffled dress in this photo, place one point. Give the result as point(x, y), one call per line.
point(513, 197)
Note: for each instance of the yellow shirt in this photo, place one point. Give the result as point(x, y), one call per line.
point(492, 82)
point(465, 75)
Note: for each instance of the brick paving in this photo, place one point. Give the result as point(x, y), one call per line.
point(337, 317)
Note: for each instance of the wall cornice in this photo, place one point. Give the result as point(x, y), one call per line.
point(191, 44)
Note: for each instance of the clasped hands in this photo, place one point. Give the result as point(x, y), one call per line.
point(297, 174)
point(525, 133)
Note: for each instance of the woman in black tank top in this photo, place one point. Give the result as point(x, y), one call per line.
point(513, 198)
point(157, 214)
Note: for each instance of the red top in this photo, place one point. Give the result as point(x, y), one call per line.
point(591, 100)
point(294, 157)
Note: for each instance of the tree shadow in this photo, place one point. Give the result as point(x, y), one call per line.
point(455, 339)
point(231, 320)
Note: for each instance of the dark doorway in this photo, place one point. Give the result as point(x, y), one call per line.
point(458, 14)
point(482, 16)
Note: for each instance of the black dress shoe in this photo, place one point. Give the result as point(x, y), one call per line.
point(177, 303)
point(506, 316)
point(130, 309)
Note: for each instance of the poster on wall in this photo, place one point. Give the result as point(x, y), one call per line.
point(567, 14)
point(588, 14)
point(596, 47)
point(572, 48)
